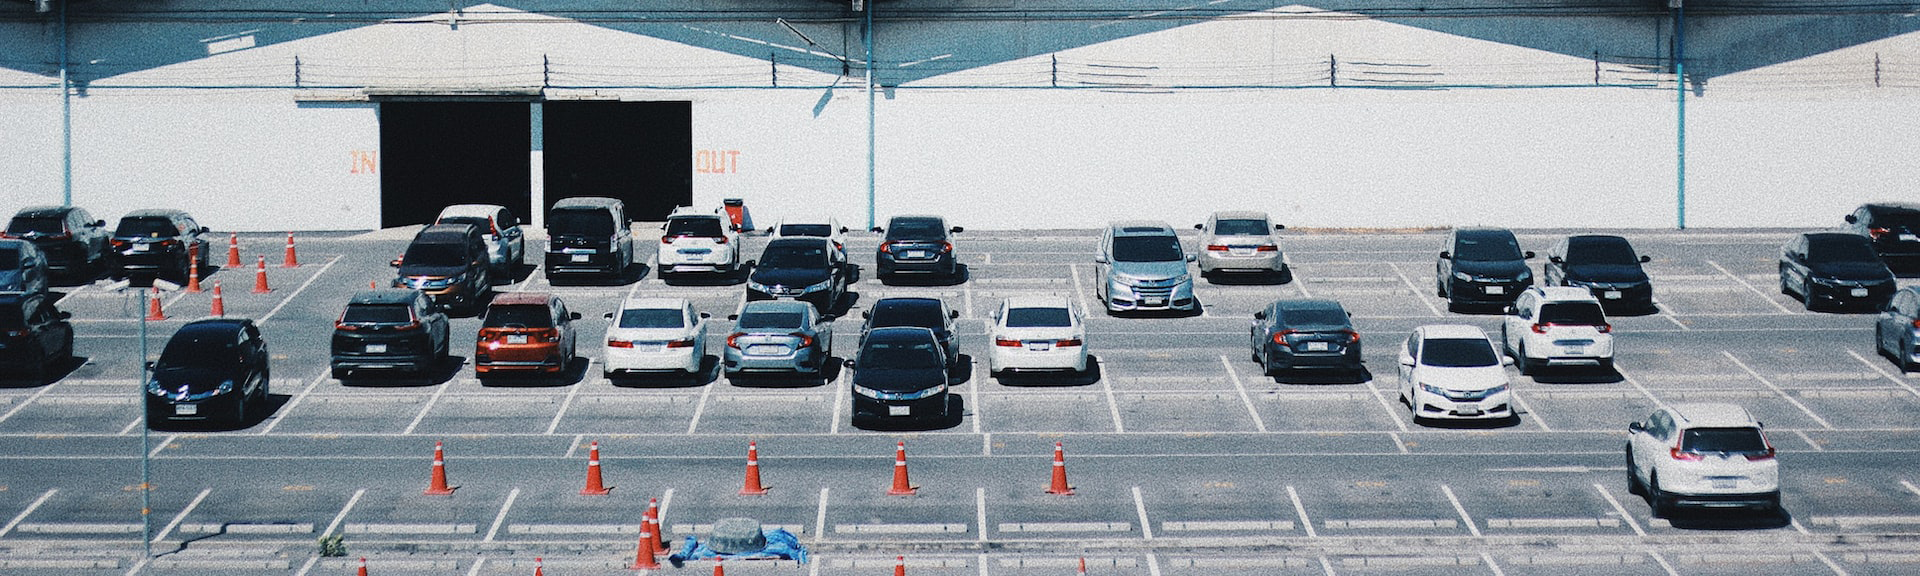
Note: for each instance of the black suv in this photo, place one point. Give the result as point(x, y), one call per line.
point(35, 337)
point(157, 242)
point(916, 245)
point(588, 235)
point(211, 369)
point(74, 243)
point(1894, 229)
point(805, 269)
point(899, 375)
point(1482, 266)
point(450, 263)
point(1835, 268)
point(929, 313)
point(1605, 265)
point(398, 330)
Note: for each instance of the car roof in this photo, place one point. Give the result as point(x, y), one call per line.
point(1140, 228)
point(1833, 237)
point(1892, 208)
point(1038, 302)
point(1712, 415)
point(689, 211)
point(1443, 331)
point(797, 240)
point(1483, 232)
point(777, 306)
point(585, 202)
point(808, 219)
point(154, 212)
point(653, 303)
point(384, 296)
point(212, 325)
point(1566, 294)
point(906, 302)
point(897, 333)
point(521, 299)
point(1597, 239)
point(451, 232)
point(479, 210)
point(1239, 215)
point(1308, 304)
point(43, 211)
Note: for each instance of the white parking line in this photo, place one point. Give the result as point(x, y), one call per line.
point(155, 452)
point(332, 527)
point(1399, 442)
point(1153, 564)
point(1488, 558)
point(1636, 386)
point(177, 518)
point(1086, 306)
point(1464, 518)
point(701, 407)
point(1624, 515)
point(1298, 281)
point(1756, 291)
point(966, 290)
point(1326, 566)
point(1662, 561)
point(1139, 506)
point(1522, 400)
point(1667, 311)
point(501, 518)
point(296, 292)
point(1113, 406)
point(284, 411)
point(1783, 393)
point(477, 563)
point(1417, 295)
point(840, 401)
point(1837, 571)
point(431, 400)
point(820, 518)
point(17, 518)
point(1910, 487)
point(1392, 413)
point(23, 405)
point(1258, 423)
point(979, 508)
point(1863, 360)
point(568, 402)
point(1301, 509)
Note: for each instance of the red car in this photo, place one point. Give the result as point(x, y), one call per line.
point(525, 332)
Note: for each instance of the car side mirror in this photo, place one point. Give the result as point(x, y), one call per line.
point(1279, 226)
point(866, 314)
point(1851, 219)
point(733, 316)
point(1406, 359)
point(394, 263)
point(849, 362)
point(1260, 315)
point(1445, 255)
point(1199, 226)
point(875, 229)
point(843, 229)
point(1759, 423)
point(149, 365)
point(1506, 361)
point(65, 315)
point(957, 229)
point(1100, 259)
point(1645, 259)
point(1528, 254)
point(1507, 310)
point(1190, 257)
point(704, 315)
point(1556, 260)
point(574, 315)
point(733, 227)
point(953, 314)
point(607, 316)
point(1636, 427)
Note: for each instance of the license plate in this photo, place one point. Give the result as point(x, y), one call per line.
point(1725, 483)
point(1154, 302)
point(1039, 346)
point(141, 247)
point(899, 410)
point(516, 338)
point(1468, 411)
point(1575, 351)
point(1859, 292)
point(916, 253)
point(1496, 289)
point(1318, 347)
point(1909, 238)
point(1242, 251)
point(186, 409)
point(581, 257)
point(766, 350)
point(1611, 294)
point(376, 348)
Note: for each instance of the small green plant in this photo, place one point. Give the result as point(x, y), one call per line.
point(333, 545)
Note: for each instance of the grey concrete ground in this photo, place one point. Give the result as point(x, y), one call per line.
point(1185, 459)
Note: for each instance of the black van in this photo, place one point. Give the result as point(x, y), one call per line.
point(450, 263)
point(588, 235)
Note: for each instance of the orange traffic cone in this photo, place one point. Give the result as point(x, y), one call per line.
point(363, 567)
point(718, 568)
point(536, 567)
point(293, 261)
point(899, 566)
point(900, 485)
point(643, 553)
point(233, 250)
point(438, 486)
point(1060, 472)
point(1083, 567)
point(652, 518)
point(193, 268)
point(260, 278)
point(219, 301)
point(153, 306)
point(594, 486)
point(753, 487)
point(373, 284)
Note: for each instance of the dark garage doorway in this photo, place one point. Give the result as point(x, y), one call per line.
point(443, 153)
point(639, 152)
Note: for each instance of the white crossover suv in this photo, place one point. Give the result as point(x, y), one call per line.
point(1557, 326)
point(1702, 455)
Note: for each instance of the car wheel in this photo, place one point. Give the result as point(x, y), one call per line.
point(1903, 358)
point(1634, 486)
point(1658, 500)
point(1806, 298)
point(341, 373)
point(1525, 363)
point(37, 371)
point(240, 411)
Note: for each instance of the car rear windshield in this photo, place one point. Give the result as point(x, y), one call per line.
point(916, 229)
point(1731, 440)
point(40, 224)
point(921, 315)
point(519, 316)
point(377, 314)
point(794, 257)
point(820, 230)
point(484, 224)
point(1038, 318)
point(897, 355)
point(9, 258)
point(435, 255)
point(761, 320)
point(1147, 249)
point(1240, 228)
point(1602, 251)
point(652, 318)
point(146, 226)
point(581, 221)
point(705, 227)
point(1486, 247)
point(1314, 317)
point(1841, 249)
point(1577, 313)
point(1458, 353)
point(204, 348)
point(1907, 220)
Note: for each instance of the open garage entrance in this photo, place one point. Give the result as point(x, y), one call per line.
point(639, 152)
point(438, 154)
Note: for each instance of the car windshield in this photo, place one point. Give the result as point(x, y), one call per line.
point(819, 230)
point(1147, 249)
point(1486, 247)
point(1314, 317)
point(1458, 353)
point(1907, 220)
point(146, 226)
point(40, 224)
point(1240, 228)
point(1601, 251)
point(1038, 318)
point(377, 314)
point(518, 316)
point(1841, 249)
point(1722, 440)
point(485, 226)
point(9, 258)
point(434, 255)
point(776, 320)
point(916, 229)
point(793, 257)
point(899, 355)
point(583, 222)
point(921, 315)
point(203, 348)
point(1573, 313)
point(700, 226)
point(652, 318)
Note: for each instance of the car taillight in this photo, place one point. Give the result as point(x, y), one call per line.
point(1685, 456)
point(619, 344)
point(63, 236)
point(1352, 336)
point(668, 239)
point(946, 247)
point(1877, 232)
point(1005, 342)
point(1281, 336)
point(1266, 248)
point(886, 247)
point(1540, 328)
point(15, 333)
point(1068, 342)
point(731, 337)
point(1216, 247)
point(345, 326)
point(805, 339)
point(720, 240)
point(1759, 456)
point(118, 243)
point(4, 234)
point(550, 335)
point(169, 243)
point(1916, 322)
point(414, 325)
point(838, 246)
point(683, 343)
point(1603, 328)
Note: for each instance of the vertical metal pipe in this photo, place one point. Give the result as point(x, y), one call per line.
point(1680, 136)
point(146, 461)
point(66, 116)
point(867, 37)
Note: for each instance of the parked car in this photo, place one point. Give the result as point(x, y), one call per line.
point(929, 313)
point(1557, 326)
point(448, 262)
point(35, 336)
point(1241, 241)
point(1896, 334)
point(899, 375)
point(211, 369)
point(1311, 333)
point(1604, 265)
point(390, 330)
point(506, 241)
point(1702, 455)
point(778, 337)
point(1832, 268)
point(814, 227)
point(1037, 333)
point(74, 243)
point(805, 269)
point(588, 236)
point(1452, 371)
point(699, 242)
point(917, 245)
point(1482, 266)
point(159, 242)
point(22, 267)
point(1141, 266)
point(652, 335)
point(525, 332)
point(1894, 229)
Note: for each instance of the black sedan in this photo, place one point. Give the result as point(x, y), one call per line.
point(917, 245)
point(899, 376)
point(929, 313)
point(1838, 269)
point(1316, 333)
point(1604, 265)
point(213, 369)
point(805, 269)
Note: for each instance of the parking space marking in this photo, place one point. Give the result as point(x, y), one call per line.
point(572, 391)
point(17, 518)
point(1810, 441)
point(1637, 386)
point(966, 292)
point(1542, 422)
point(1301, 510)
point(700, 408)
point(1391, 411)
point(501, 518)
point(1667, 311)
point(1140, 506)
point(1624, 516)
point(155, 452)
point(1416, 289)
point(1756, 291)
point(1488, 558)
point(1863, 360)
point(431, 400)
point(1086, 306)
point(477, 563)
point(1910, 487)
point(287, 410)
point(820, 518)
point(1399, 442)
point(1258, 423)
point(296, 292)
point(1113, 406)
point(1783, 393)
point(979, 510)
point(177, 518)
point(840, 401)
point(1797, 527)
point(1837, 571)
point(1468, 520)
point(22, 405)
point(341, 516)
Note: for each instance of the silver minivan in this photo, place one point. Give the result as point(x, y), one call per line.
point(1142, 266)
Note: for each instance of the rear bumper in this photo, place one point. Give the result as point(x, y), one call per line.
point(584, 263)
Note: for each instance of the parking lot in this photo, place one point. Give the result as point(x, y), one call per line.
point(1185, 458)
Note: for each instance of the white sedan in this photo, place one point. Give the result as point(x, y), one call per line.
point(1453, 371)
point(1037, 333)
point(652, 335)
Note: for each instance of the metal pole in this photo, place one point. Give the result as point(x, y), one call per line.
point(146, 462)
point(66, 116)
point(1680, 86)
point(867, 36)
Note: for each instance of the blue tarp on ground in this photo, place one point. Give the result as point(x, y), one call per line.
point(781, 544)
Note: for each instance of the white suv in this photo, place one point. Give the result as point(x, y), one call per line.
point(1702, 455)
point(1452, 371)
point(1557, 326)
point(698, 241)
